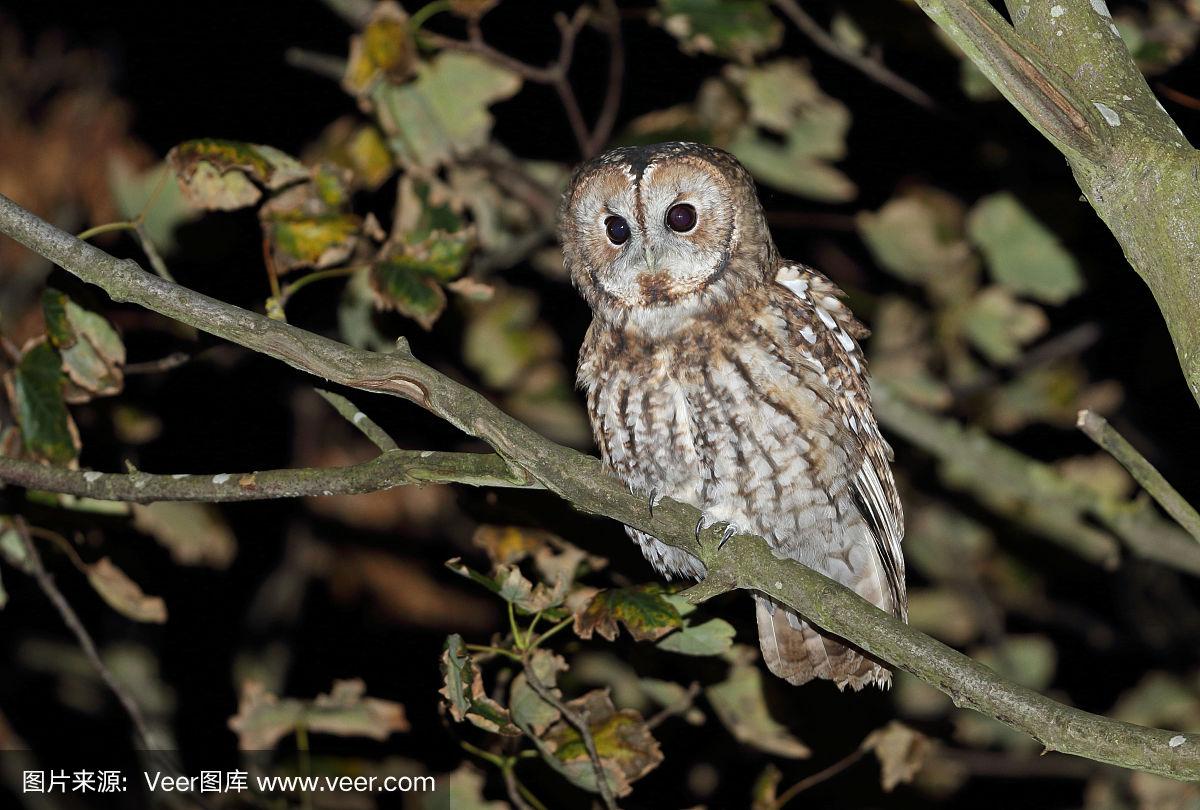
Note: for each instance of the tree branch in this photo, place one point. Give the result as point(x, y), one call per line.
point(747, 561)
point(1066, 69)
point(1102, 433)
point(394, 468)
point(871, 68)
point(71, 619)
point(1036, 495)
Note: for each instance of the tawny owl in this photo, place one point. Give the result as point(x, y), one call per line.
point(723, 376)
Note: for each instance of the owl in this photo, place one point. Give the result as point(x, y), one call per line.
point(721, 375)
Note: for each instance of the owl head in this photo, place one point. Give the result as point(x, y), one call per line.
point(654, 236)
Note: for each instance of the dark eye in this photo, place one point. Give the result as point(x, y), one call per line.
point(681, 218)
point(618, 230)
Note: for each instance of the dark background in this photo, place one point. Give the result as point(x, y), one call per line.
point(217, 69)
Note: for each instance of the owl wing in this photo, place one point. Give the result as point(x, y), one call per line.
point(831, 330)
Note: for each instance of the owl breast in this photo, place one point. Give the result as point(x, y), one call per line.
point(738, 421)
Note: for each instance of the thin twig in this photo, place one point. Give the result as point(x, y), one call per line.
point(607, 119)
point(580, 723)
point(172, 361)
point(156, 259)
point(513, 788)
point(46, 582)
point(1105, 435)
point(321, 64)
point(554, 74)
point(354, 12)
point(680, 706)
point(819, 777)
point(360, 420)
point(872, 68)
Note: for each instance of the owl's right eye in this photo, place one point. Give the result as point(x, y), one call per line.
point(617, 229)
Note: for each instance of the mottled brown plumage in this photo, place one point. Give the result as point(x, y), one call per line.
point(720, 375)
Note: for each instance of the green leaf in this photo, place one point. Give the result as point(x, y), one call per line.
point(999, 325)
point(460, 790)
point(947, 614)
point(917, 237)
point(713, 637)
point(264, 719)
point(225, 175)
point(783, 97)
point(740, 704)
point(150, 194)
point(505, 338)
point(443, 114)
point(403, 285)
point(1022, 255)
point(529, 710)
point(463, 690)
point(733, 29)
point(123, 594)
point(646, 614)
point(37, 385)
point(624, 744)
point(91, 350)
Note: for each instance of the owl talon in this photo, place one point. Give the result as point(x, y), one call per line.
point(730, 531)
point(654, 499)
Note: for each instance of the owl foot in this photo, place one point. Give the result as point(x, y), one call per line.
point(707, 520)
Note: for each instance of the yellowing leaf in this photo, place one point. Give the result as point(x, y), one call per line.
point(901, 752)
point(624, 744)
point(194, 533)
point(384, 50)
point(360, 148)
point(735, 29)
point(741, 706)
point(123, 594)
point(225, 175)
point(641, 608)
point(263, 719)
point(1022, 254)
point(320, 241)
point(92, 352)
point(462, 687)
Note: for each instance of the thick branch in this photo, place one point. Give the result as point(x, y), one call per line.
point(1066, 69)
point(747, 561)
point(969, 684)
point(394, 468)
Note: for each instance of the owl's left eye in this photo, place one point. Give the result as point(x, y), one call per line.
point(681, 218)
point(617, 229)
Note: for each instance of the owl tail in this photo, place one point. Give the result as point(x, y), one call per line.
point(796, 652)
